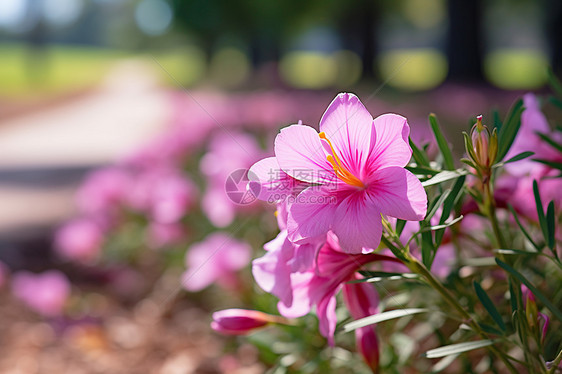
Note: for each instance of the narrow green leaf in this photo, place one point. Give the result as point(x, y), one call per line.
point(489, 305)
point(468, 146)
point(427, 246)
point(552, 164)
point(381, 317)
point(435, 205)
point(400, 223)
point(490, 329)
point(378, 276)
point(513, 298)
point(550, 141)
point(515, 252)
point(479, 261)
point(448, 205)
point(419, 156)
point(554, 83)
point(519, 157)
point(444, 176)
point(550, 225)
point(442, 226)
point(496, 119)
point(540, 211)
point(442, 143)
point(555, 101)
point(523, 228)
point(509, 130)
point(420, 170)
point(443, 363)
point(533, 289)
point(454, 349)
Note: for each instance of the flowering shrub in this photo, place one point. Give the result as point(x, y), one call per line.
point(434, 265)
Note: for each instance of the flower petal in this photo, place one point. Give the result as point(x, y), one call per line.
point(300, 154)
point(398, 193)
point(311, 214)
point(349, 126)
point(357, 223)
point(391, 146)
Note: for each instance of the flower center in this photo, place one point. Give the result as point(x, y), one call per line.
point(340, 170)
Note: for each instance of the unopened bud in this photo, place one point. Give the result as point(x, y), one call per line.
point(368, 345)
point(485, 144)
point(242, 321)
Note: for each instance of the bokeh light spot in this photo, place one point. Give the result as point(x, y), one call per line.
point(516, 68)
point(413, 69)
point(306, 69)
point(349, 68)
point(424, 14)
point(229, 67)
point(153, 17)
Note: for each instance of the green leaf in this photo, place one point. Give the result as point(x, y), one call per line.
point(444, 176)
point(381, 317)
point(442, 226)
point(455, 349)
point(555, 101)
point(515, 252)
point(442, 143)
point(400, 223)
point(468, 162)
point(427, 246)
point(530, 286)
point(550, 141)
point(554, 83)
point(509, 130)
point(378, 276)
point(420, 170)
point(496, 119)
point(519, 157)
point(448, 205)
point(540, 211)
point(523, 228)
point(419, 156)
point(443, 363)
point(489, 305)
point(550, 225)
point(435, 204)
point(513, 298)
point(552, 164)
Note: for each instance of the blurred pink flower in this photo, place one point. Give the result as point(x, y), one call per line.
point(79, 240)
point(164, 234)
point(215, 259)
point(163, 194)
point(228, 152)
point(45, 293)
point(532, 121)
point(362, 301)
point(317, 285)
point(355, 170)
point(103, 191)
point(240, 321)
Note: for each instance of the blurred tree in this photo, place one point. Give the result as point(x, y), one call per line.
point(554, 25)
point(464, 45)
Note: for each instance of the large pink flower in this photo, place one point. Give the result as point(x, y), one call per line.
point(354, 169)
point(299, 290)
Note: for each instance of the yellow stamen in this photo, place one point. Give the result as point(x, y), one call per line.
point(340, 170)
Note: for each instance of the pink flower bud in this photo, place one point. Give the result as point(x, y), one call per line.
point(240, 321)
point(45, 293)
point(368, 345)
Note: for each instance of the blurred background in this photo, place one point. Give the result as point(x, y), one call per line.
point(86, 84)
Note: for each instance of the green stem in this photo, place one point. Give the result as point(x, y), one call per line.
point(555, 363)
point(417, 267)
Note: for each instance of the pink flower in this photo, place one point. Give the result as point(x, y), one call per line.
point(240, 321)
point(79, 240)
point(362, 301)
point(228, 152)
point(103, 191)
point(216, 259)
point(45, 293)
point(316, 286)
point(160, 235)
point(355, 172)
